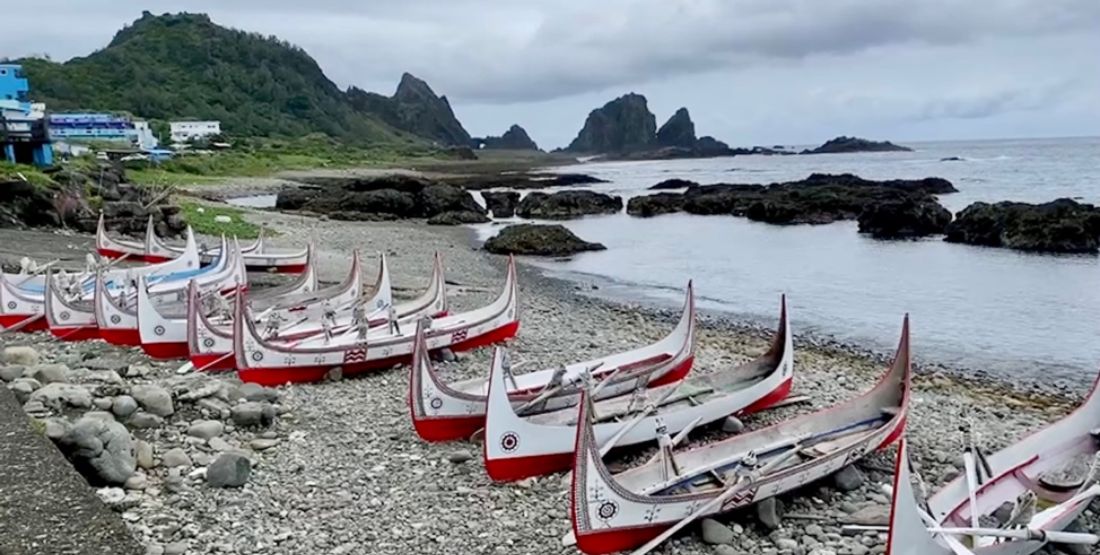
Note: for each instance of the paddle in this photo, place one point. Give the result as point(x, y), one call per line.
point(646, 411)
point(546, 393)
point(743, 482)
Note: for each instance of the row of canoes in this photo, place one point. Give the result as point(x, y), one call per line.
point(299, 332)
point(1014, 501)
point(197, 305)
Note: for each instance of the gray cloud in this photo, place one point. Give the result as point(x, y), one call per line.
point(767, 69)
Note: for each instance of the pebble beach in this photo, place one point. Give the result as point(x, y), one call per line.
point(339, 469)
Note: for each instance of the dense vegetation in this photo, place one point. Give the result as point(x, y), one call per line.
point(262, 156)
point(185, 66)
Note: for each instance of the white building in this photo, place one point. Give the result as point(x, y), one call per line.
point(183, 131)
point(144, 136)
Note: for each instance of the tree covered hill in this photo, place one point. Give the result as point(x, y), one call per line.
point(184, 65)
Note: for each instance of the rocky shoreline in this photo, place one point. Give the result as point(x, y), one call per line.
point(342, 471)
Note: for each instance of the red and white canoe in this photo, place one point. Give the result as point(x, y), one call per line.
point(20, 309)
point(445, 412)
point(211, 342)
point(163, 329)
point(518, 447)
point(272, 363)
point(618, 512)
point(258, 257)
point(117, 316)
point(69, 319)
point(1036, 465)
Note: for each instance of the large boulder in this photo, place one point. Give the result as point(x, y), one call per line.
point(1063, 225)
point(458, 218)
point(229, 470)
point(441, 197)
point(653, 205)
point(154, 399)
point(59, 396)
point(21, 355)
point(101, 450)
point(539, 240)
point(911, 217)
point(564, 205)
point(253, 414)
point(501, 203)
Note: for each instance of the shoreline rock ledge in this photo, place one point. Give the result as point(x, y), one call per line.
point(539, 240)
point(1059, 226)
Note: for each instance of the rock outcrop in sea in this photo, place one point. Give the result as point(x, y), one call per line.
point(908, 217)
point(1062, 225)
point(539, 240)
point(502, 204)
point(515, 138)
point(855, 144)
point(818, 199)
point(564, 205)
point(625, 129)
point(620, 126)
point(383, 198)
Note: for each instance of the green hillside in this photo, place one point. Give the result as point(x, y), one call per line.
point(185, 66)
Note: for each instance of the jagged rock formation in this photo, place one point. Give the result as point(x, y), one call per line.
point(620, 126)
point(515, 138)
point(855, 144)
point(1062, 225)
point(539, 240)
point(625, 129)
point(678, 131)
point(415, 108)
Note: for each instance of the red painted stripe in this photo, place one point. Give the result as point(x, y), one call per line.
point(777, 395)
point(121, 336)
point(304, 374)
point(166, 351)
point(81, 333)
point(676, 374)
point(618, 539)
point(206, 361)
point(9, 320)
point(518, 468)
point(448, 428)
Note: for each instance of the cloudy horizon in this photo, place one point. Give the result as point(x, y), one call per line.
point(750, 71)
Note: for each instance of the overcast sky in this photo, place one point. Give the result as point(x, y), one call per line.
point(750, 71)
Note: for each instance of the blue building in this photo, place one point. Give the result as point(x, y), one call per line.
point(84, 126)
point(24, 135)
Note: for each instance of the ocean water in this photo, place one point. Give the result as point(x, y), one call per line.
point(1011, 315)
